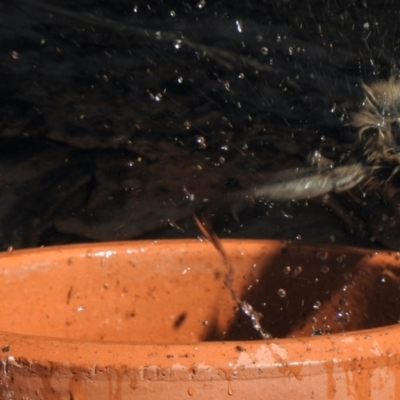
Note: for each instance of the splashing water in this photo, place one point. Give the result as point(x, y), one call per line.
point(255, 318)
point(246, 308)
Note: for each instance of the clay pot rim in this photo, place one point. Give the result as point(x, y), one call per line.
point(248, 355)
point(97, 249)
point(312, 354)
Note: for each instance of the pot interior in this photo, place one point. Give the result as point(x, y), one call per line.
point(176, 291)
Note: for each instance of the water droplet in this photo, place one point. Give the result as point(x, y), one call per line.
point(201, 4)
point(322, 255)
point(287, 269)
point(201, 142)
point(80, 308)
point(327, 329)
point(241, 75)
point(288, 216)
point(230, 388)
point(341, 258)
point(205, 323)
point(158, 35)
point(298, 270)
point(180, 79)
point(342, 317)
point(190, 391)
point(178, 44)
point(313, 320)
point(246, 308)
point(135, 9)
point(14, 55)
point(264, 50)
point(324, 269)
point(172, 13)
point(256, 324)
point(155, 97)
point(224, 147)
point(317, 305)
point(282, 293)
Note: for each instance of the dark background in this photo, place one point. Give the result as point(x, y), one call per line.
point(111, 112)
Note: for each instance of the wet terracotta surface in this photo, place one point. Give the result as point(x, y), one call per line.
point(141, 319)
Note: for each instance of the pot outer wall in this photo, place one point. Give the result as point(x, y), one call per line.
point(313, 369)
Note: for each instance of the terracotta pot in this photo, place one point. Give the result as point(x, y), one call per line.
point(146, 320)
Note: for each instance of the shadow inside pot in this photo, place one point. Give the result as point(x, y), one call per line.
point(306, 291)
